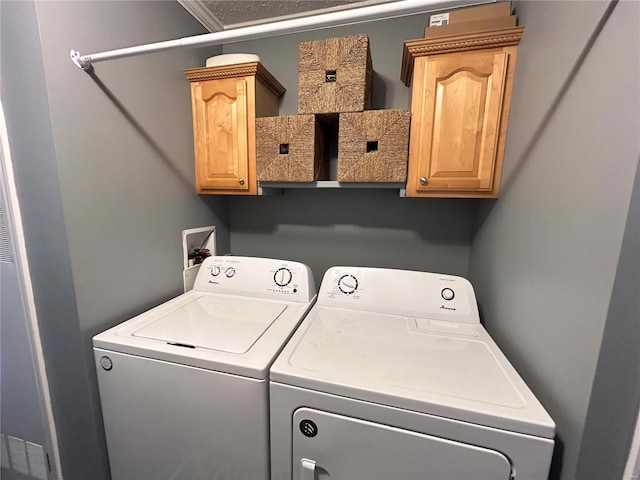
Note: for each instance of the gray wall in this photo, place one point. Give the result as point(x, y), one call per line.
point(24, 97)
point(20, 400)
point(545, 254)
point(104, 166)
point(615, 398)
point(353, 227)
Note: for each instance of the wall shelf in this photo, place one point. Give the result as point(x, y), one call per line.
point(277, 188)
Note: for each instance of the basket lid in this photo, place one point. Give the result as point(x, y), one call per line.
point(231, 58)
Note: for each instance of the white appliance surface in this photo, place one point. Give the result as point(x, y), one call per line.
point(167, 421)
point(235, 320)
point(183, 386)
point(437, 366)
point(394, 453)
point(367, 349)
point(391, 375)
point(226, 324)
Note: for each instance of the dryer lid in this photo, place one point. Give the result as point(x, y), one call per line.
point(364, 347)
point(395, 360)
point(230, 325)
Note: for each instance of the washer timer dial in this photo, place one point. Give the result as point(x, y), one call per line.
point(282, 277)
point(215, 270)
point(348, 284)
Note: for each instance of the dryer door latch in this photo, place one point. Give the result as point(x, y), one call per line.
point(307, 469)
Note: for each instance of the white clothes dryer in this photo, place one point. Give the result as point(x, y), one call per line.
point(184, 386)
point(392, 376)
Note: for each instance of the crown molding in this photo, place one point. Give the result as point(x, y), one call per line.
point(201, 12)
point(238, 70)
point(502, 37)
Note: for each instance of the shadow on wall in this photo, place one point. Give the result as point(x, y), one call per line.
point(556, 460)
point(379, 94)
point(162, 155)
point(215, 203)
point(432, 219)
point(369, 228)
point(508, 179)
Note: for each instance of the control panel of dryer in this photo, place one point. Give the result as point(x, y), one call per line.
point(400, 292)
point(256, 277)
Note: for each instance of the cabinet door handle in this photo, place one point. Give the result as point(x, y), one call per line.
point(423, 180)
point(241, 181)
point(307, 469)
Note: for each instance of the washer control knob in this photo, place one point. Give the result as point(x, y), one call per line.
point(282, 277)
point(447, 293)
point(348, 284)
point(215, 270)
point(230, 272)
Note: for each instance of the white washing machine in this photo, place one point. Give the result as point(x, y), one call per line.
point(184, 387)
point(391, 376)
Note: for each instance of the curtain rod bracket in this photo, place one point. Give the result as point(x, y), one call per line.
point(79, 61)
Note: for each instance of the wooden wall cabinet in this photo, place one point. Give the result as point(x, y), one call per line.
point(225, 102)
point(461, 91)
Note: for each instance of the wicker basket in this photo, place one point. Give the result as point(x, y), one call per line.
point(334, 75)
point(290, 149)
point(373, 146)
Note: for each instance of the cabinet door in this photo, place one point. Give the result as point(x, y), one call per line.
point(457, 109)
point(220, 130)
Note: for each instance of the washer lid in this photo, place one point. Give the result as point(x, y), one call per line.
point(230, 325)
point(397, 360)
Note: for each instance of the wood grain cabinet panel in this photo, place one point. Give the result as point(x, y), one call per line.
point(221, 134)
point(459, 111)
point(225, 103)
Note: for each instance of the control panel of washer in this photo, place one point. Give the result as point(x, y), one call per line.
point(400, 292)
point(256, 277)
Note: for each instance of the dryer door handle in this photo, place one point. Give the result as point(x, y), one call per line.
point(307, 469)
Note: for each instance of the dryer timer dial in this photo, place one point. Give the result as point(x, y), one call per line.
point(348, 284)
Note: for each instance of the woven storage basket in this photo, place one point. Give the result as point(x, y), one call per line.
point(334, 75)
point(290, 149)
point(373, 146)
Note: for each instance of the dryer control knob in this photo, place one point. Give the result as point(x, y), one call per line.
point(447, 294)
point(348, 284)
point(230, 272)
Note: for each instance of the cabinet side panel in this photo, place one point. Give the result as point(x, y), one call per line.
point(266, 101)
point(511, 53)
point(418, 126)
point(251, 108)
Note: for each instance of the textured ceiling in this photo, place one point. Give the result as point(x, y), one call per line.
point(233, 13)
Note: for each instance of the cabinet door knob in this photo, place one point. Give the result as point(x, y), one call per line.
point(241, 181)
point(423, 180)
